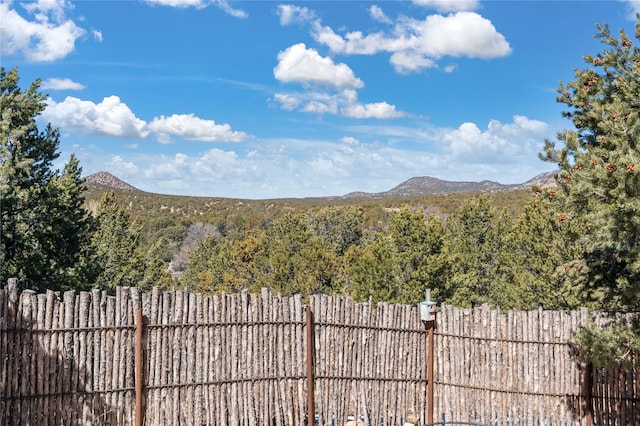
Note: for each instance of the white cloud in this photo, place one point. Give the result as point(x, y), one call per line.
point(633, 7)
point(97, 35)
point(297, 64)
point(193, 128)
point(61, 84)
point(226, 7)
point(343, 103)
point(291, 14)
point(372, 110)
point(499, 143)
point(120, 167)
point(417, 44)
point(111, 117)
point(450, 68)
point(200, 4)
point(366, 160)
point(377, 14)
point(449, 5)
point(406, 61)
point(288, 101)
point(49, 37)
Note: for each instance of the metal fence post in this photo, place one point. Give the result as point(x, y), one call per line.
point(311, 410)
point(430, 361)
point(138, 370)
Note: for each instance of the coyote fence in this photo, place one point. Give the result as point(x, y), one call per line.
point(243, 359)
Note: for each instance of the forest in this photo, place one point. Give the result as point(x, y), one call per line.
point(559, 247)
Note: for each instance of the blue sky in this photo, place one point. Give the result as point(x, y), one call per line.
point(266, 99)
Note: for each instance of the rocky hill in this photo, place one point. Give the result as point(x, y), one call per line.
point(425, 185)
point(110, 181)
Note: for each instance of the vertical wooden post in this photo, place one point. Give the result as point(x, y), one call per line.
point(138, 370)
point(311, 409)
point(587, 383)
point(430, 362)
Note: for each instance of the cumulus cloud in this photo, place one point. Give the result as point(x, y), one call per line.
point(111, 117)
point(61, 84)
point(291, 14)
point(368, 159)
point(417, 44)
point(498, 143)
point(448, 5)
point(193, 128)
point(49, 36)
point(298, 64)
point(200, 4)
point(343, 103)
point(372, 110)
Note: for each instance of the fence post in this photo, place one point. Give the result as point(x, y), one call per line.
point(138, 369)
point(430, 361)
point(428, 315)
point(587, 383)
point(311, 410)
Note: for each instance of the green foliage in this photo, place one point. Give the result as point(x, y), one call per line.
point(537, 248)
point(419, 245)
point(117, 259)
point(599, 165)
point(372, 271)
point(472, 253)
point(291, 260)
point(44, 231)
point(612, 346)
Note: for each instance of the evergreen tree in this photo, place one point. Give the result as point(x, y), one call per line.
point(538, 247)
point(372, 271)
point(339, 227)
point(118, 261)
point(208, 266)
point(287, 253)
point(599, 162)
point(43, 228)
point(418, 255)
point(471, 255)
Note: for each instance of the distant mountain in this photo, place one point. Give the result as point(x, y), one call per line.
point(414, 187)
point(110, 181)
point(422, 186)
point(543, 180)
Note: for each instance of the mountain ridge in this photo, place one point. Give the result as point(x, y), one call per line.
point(413, 187)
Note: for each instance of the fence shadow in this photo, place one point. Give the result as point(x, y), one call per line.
point(45, 377)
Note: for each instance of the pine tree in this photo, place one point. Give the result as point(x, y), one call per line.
point(472, 258)
point(43, 227)
point(599, 162)
point(117, 257)
point(418, 255)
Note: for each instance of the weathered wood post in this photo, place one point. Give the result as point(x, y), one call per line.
point(311, 409)
point(138, 369)
point(587, 383)
point(428, 316)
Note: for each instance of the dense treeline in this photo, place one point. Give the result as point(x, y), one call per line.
point(476, 255)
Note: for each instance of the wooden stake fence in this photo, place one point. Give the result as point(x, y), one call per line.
point(183, 358)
